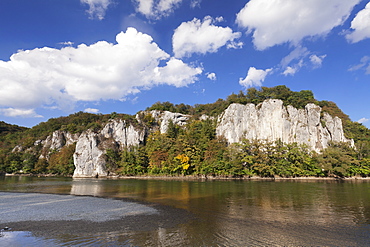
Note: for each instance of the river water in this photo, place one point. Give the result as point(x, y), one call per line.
point(200, 213)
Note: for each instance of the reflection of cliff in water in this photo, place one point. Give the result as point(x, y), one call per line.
point(282, 201)
point(90, 187)
point(239, 213)
point(234, 212)
point(280, 211)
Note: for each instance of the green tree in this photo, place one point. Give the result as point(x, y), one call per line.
point(337, 160)
point(112, 158)
point(62, 162)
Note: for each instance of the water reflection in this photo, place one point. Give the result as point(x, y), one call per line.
point(233, 213)
point(87, 187)
point(20, 238)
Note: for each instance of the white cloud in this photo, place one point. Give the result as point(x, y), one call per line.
point(294, 61)
point(195, 3)
point(254, 78)
point(175, 73)
point(364, 64)
point(298, 58)
point(164, 6)
point(97, 8)
point(144, 7)
point(13, 112)
point(67, 43)
point(274, 22)
point(156, 9)
point(235, 45)
point(91, 110)
point(219, 19)
point(363, 120)
point(360, 25)
point(290, 70)
point(101, 71)
point(317, 60)
point(297, 54)
point(198, 36)
point(211, 76)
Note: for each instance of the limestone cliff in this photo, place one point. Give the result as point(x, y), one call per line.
point(56, 141)
point(271, 121)
point(164, 118)
point(123, 134)
point(89, 157)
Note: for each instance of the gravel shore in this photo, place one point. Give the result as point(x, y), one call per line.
point(66, 214)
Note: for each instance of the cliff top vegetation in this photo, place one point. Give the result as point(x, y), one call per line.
point(194, 149)
point(11, 135)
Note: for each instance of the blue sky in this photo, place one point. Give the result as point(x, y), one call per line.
point(58, 57)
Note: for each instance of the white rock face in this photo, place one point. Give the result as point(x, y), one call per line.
point(122, 133)
point(271, 121)
point(165, 117)
point(56, 141)
point(88, 157)
point(90, 148)
point(59, 139)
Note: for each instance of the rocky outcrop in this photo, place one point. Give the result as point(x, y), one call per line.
point(56, 141)
point(164, 118)
point(89, 157)
point(271, 121)
point(125, 135)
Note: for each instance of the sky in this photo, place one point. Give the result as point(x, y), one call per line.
point(58, 57)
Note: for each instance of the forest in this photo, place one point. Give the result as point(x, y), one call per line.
point(193, 149)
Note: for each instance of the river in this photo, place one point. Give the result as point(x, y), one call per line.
point(155, 212)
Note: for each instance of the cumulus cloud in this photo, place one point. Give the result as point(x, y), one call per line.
point(91, 110)
point(254, 77)
point(198, 36)
point(101, 71)
point(97, 8)
point(360, 26)
point(363, 120)
point(156, 9)
point(274, 22)
point(211, 76)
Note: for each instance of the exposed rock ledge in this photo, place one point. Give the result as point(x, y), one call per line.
point(271, 121)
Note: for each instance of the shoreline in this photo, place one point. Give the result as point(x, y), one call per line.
point(196, 177)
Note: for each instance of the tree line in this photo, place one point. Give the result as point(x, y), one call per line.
point(194, 149)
